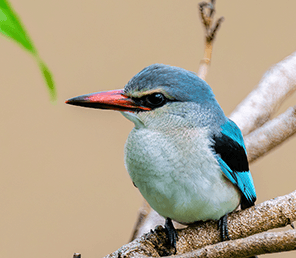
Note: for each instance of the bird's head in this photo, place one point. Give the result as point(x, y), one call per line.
point(159, 95)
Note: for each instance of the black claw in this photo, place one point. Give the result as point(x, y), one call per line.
point(171, 233)
point(222, 226)
point(291, 223)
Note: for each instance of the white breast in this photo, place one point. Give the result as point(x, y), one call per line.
point(178, 175)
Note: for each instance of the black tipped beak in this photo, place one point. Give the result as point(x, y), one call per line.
point(79, 101)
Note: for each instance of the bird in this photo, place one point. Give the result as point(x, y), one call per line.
point(187, 159)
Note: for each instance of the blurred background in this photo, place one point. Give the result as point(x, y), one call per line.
point(64, 187)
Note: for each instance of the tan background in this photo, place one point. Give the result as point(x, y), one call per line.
point(64, 188)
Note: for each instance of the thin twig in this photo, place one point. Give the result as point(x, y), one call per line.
point(210, 33)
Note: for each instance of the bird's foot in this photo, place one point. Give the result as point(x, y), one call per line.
point(291, 223)
point(222, 226)
point(171, 233)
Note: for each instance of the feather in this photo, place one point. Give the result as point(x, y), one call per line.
point(232, 158)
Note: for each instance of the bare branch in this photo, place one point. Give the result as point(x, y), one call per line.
point(270, 242)
point(274, 213)
point(276, 85)
point(271, 134)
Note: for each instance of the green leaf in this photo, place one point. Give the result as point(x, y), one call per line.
point(12, 28)
point(49, 79)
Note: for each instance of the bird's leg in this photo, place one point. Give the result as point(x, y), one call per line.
point(222, 226)
point(171, 233)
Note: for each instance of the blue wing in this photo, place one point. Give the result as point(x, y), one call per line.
point(232, 158)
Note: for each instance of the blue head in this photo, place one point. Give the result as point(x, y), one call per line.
point(177, 83)
point(174, 92)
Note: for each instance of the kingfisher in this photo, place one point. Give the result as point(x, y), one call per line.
point(184, 155)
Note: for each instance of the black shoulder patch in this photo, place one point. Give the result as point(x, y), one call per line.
point(232, 153)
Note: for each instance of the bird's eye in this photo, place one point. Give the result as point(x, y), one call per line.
point(155, 99)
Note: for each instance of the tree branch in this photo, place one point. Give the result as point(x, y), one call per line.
point(275, 86)
point(275, 213)
point(270, 242)
point(271, 134)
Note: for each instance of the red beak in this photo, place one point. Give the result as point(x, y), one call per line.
point(114, 99)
